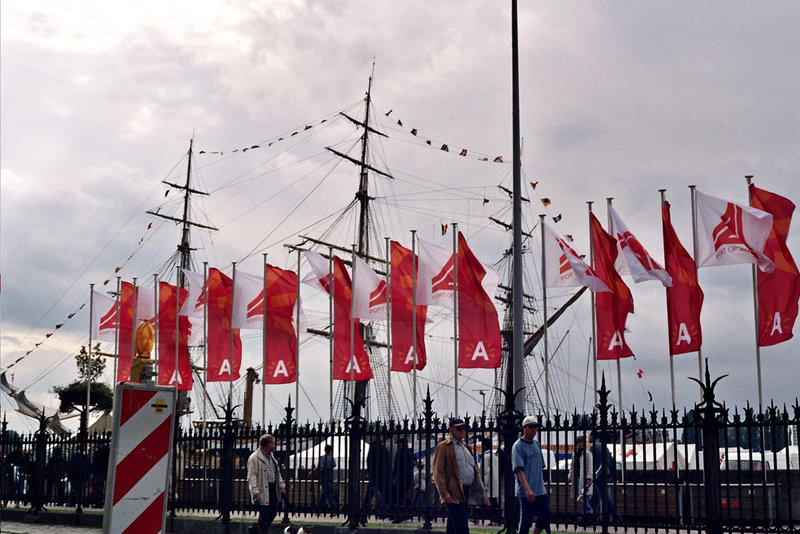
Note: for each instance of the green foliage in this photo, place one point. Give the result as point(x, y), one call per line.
point(97, 367)
point(73, 397)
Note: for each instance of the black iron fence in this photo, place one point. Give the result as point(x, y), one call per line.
point(709, 469)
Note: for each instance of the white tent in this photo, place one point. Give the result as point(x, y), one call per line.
point(788, 458)
point(341, 452)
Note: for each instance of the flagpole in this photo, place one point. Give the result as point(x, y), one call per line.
point(671, 357)
point(544, 308)
point(155, 325)
point(205, 343)
point(352, 322)
point(178, 329)
point(133, 330)
point(297, 334)
point(754, 269)
point(89, 361)
point(264, 343)
point(331, 287)
point(697, 270)
point(388, 328)
point(230, 353)
point(594, 309)
point(414, 313)
point(116, 328)
point(619, 365)
point(455, 317)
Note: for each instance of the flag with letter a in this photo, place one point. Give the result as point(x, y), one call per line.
point(778, 292)
point(684, 297)
point(402, 283)
point(632, 258)
point(729, 233)
point(168, 307)
point(280, 351)
point(611, 308)
point(479, 344)
point(564, 268)
point(219, 289)
point(344, 367)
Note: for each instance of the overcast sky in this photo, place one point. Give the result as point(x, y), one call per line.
point(618, 99)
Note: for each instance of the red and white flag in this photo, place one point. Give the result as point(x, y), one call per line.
point(135, 305)
point(248, 302)
point(435, 276)
point(193, 305)
point(729, 233)
point(563, 266)
point(104, 317)
point(402, 283)
point(778, 292)
point(611, 308)
point(345, 367)
point(633, 259)
point(479, 342)
point(684, 297)
point(280, 351)
point(224, 343)
point(170, 374)
point(369, 293)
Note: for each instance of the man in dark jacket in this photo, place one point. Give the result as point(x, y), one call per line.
point(604, 468)
point(379, 466)
point(54, 472)
point(403, 476)
point(79, 469)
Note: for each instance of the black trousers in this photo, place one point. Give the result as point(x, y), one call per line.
point(267, 513)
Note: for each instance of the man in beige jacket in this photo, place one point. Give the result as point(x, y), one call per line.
point(457, 478)
point(264, 481)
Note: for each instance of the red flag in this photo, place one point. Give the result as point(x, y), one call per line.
point(479, 344)
point(127, 325)
point(612, 309)
point(778, 292)
point(280, 351)
point(167, 313)
point(220, 297)
point(402, 316)
point(684, 298)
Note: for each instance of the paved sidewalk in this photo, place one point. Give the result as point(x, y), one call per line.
point(12, 527)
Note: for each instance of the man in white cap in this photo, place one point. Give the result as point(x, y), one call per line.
point(528, 465)
point(457, 479)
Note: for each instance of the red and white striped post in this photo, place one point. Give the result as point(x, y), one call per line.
point(141, 452)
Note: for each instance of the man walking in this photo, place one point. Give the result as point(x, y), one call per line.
point(265, 481)
point(528, 464)
point(456, 476)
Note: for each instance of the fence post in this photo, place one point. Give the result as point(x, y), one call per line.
point(37, 490)
point(429, 493)
point(226, 482)
point(708, 414)
point(355, 434)
point(510, 419)
point(602, 410)
point(287, 436)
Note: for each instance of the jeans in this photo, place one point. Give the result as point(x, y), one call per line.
point(539, 508)
point(458, 515)
point(602, 502)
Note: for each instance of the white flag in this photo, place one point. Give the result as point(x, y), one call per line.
point(248, 301)
point(193, 305)
point(633, 259)
point(369, 293)
point(319, 270)
point(435, 276)
point(104, 317)
point(563, 266)
point(729, 233)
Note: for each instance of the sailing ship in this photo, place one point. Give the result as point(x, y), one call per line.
point(388, 395)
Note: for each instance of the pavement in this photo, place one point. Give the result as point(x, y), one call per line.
point(11, 527)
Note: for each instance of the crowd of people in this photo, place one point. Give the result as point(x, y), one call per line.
point(78, 477)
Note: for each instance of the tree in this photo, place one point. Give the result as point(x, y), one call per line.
point(73, 395)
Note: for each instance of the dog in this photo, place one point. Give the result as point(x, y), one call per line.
point(295, 529)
